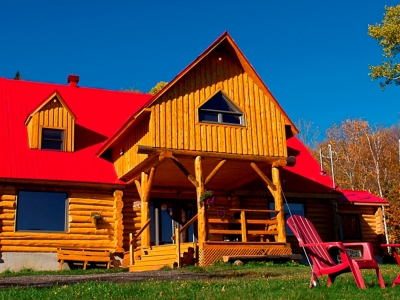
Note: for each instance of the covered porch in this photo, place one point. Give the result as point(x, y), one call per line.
point(172, 182)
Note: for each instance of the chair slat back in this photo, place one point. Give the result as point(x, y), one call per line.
point(306, 233)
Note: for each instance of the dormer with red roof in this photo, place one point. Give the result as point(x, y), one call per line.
point(51, 126)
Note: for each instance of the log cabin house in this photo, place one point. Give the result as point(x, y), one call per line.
point(95, 170)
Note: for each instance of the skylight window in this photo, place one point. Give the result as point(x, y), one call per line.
point(220, 109)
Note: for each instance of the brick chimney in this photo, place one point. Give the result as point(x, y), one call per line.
point(73, 80)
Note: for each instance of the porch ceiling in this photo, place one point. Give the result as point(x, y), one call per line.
point(233, 173)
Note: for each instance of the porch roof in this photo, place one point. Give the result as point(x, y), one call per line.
point(361, 198)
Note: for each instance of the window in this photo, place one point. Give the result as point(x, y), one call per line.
point(52, 139)
point(41, 211)
point(349, 226)
point(220, 109)
point(295, 209)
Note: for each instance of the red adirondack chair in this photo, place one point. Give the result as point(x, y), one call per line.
point(323, 263)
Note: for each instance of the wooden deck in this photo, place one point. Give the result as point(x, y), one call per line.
point(210, 252)
point(157, 257)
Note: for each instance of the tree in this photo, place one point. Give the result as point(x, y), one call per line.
point(388, 36)
point(158, 87)
point(367, 158)
point(308, 133)
point(17, 76)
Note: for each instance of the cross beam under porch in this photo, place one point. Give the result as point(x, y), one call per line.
point(199, 182)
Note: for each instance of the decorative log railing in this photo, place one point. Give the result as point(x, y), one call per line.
point(177, 238)
point(184, 227)
point(133, 239)
point(244, 222)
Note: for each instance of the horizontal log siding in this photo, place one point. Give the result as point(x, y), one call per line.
point(321, 213)
point(139, 135)
point(52, 115)
point(367, 224)
point(80, 233)
point(131, 221)
point(175, 115)
point(222, 203)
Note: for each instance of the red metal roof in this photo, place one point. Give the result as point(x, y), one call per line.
point(99, 114)
point(305, 176)
point(361, 197)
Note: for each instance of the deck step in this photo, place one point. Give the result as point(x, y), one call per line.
point(157, 258)
point(154, 262)
point(140, 268)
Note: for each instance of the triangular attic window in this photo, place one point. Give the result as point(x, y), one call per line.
point(220, 109)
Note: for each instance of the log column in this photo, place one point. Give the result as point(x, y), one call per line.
point(201, 221)
point(144, 187)
point(280, 216)
point(145, 210)
point(118, 226)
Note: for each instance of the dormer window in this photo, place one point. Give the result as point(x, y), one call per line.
point(52, 139)
point(51, 126)
point(220, 109)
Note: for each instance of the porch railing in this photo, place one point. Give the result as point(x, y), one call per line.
point(132, 239)
point(270, 224)
point(184, 227)
point(177, 238)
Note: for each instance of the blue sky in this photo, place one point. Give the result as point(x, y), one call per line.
point(313, 55)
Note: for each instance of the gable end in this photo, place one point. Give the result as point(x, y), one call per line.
point(51, 126)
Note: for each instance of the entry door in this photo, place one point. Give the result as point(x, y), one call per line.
point(168, 215)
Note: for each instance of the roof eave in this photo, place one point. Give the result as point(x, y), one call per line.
point(123, 130)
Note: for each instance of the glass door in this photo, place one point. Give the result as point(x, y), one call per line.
point(168, 215)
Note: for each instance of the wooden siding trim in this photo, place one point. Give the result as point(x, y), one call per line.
point(122, 132)
point(53, 114)
point(45, 102)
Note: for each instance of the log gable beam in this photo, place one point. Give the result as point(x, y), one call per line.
point(161, 158)
point(185, 171)
point(268, 182)
point(275, 188)
point(214, 172)
point(227, 156)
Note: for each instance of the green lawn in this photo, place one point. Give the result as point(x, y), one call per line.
point(250, 281)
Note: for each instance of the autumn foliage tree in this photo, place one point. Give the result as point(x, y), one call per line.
point(367, 158)
point(387, 33)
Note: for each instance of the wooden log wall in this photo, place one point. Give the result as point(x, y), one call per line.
point(368, 224)
point(131, 220)
point(52, 115)
point(140, 135)
point(81, 232)
point(174, 116)
point(222, 203)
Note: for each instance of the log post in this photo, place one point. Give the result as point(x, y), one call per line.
point(202, 234)
point(280, 216)
point(244, 226)
point(145, 211)
point(118, 226)
point(178, 246)
point(131, 258)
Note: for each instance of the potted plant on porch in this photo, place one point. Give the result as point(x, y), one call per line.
point(207, 198)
